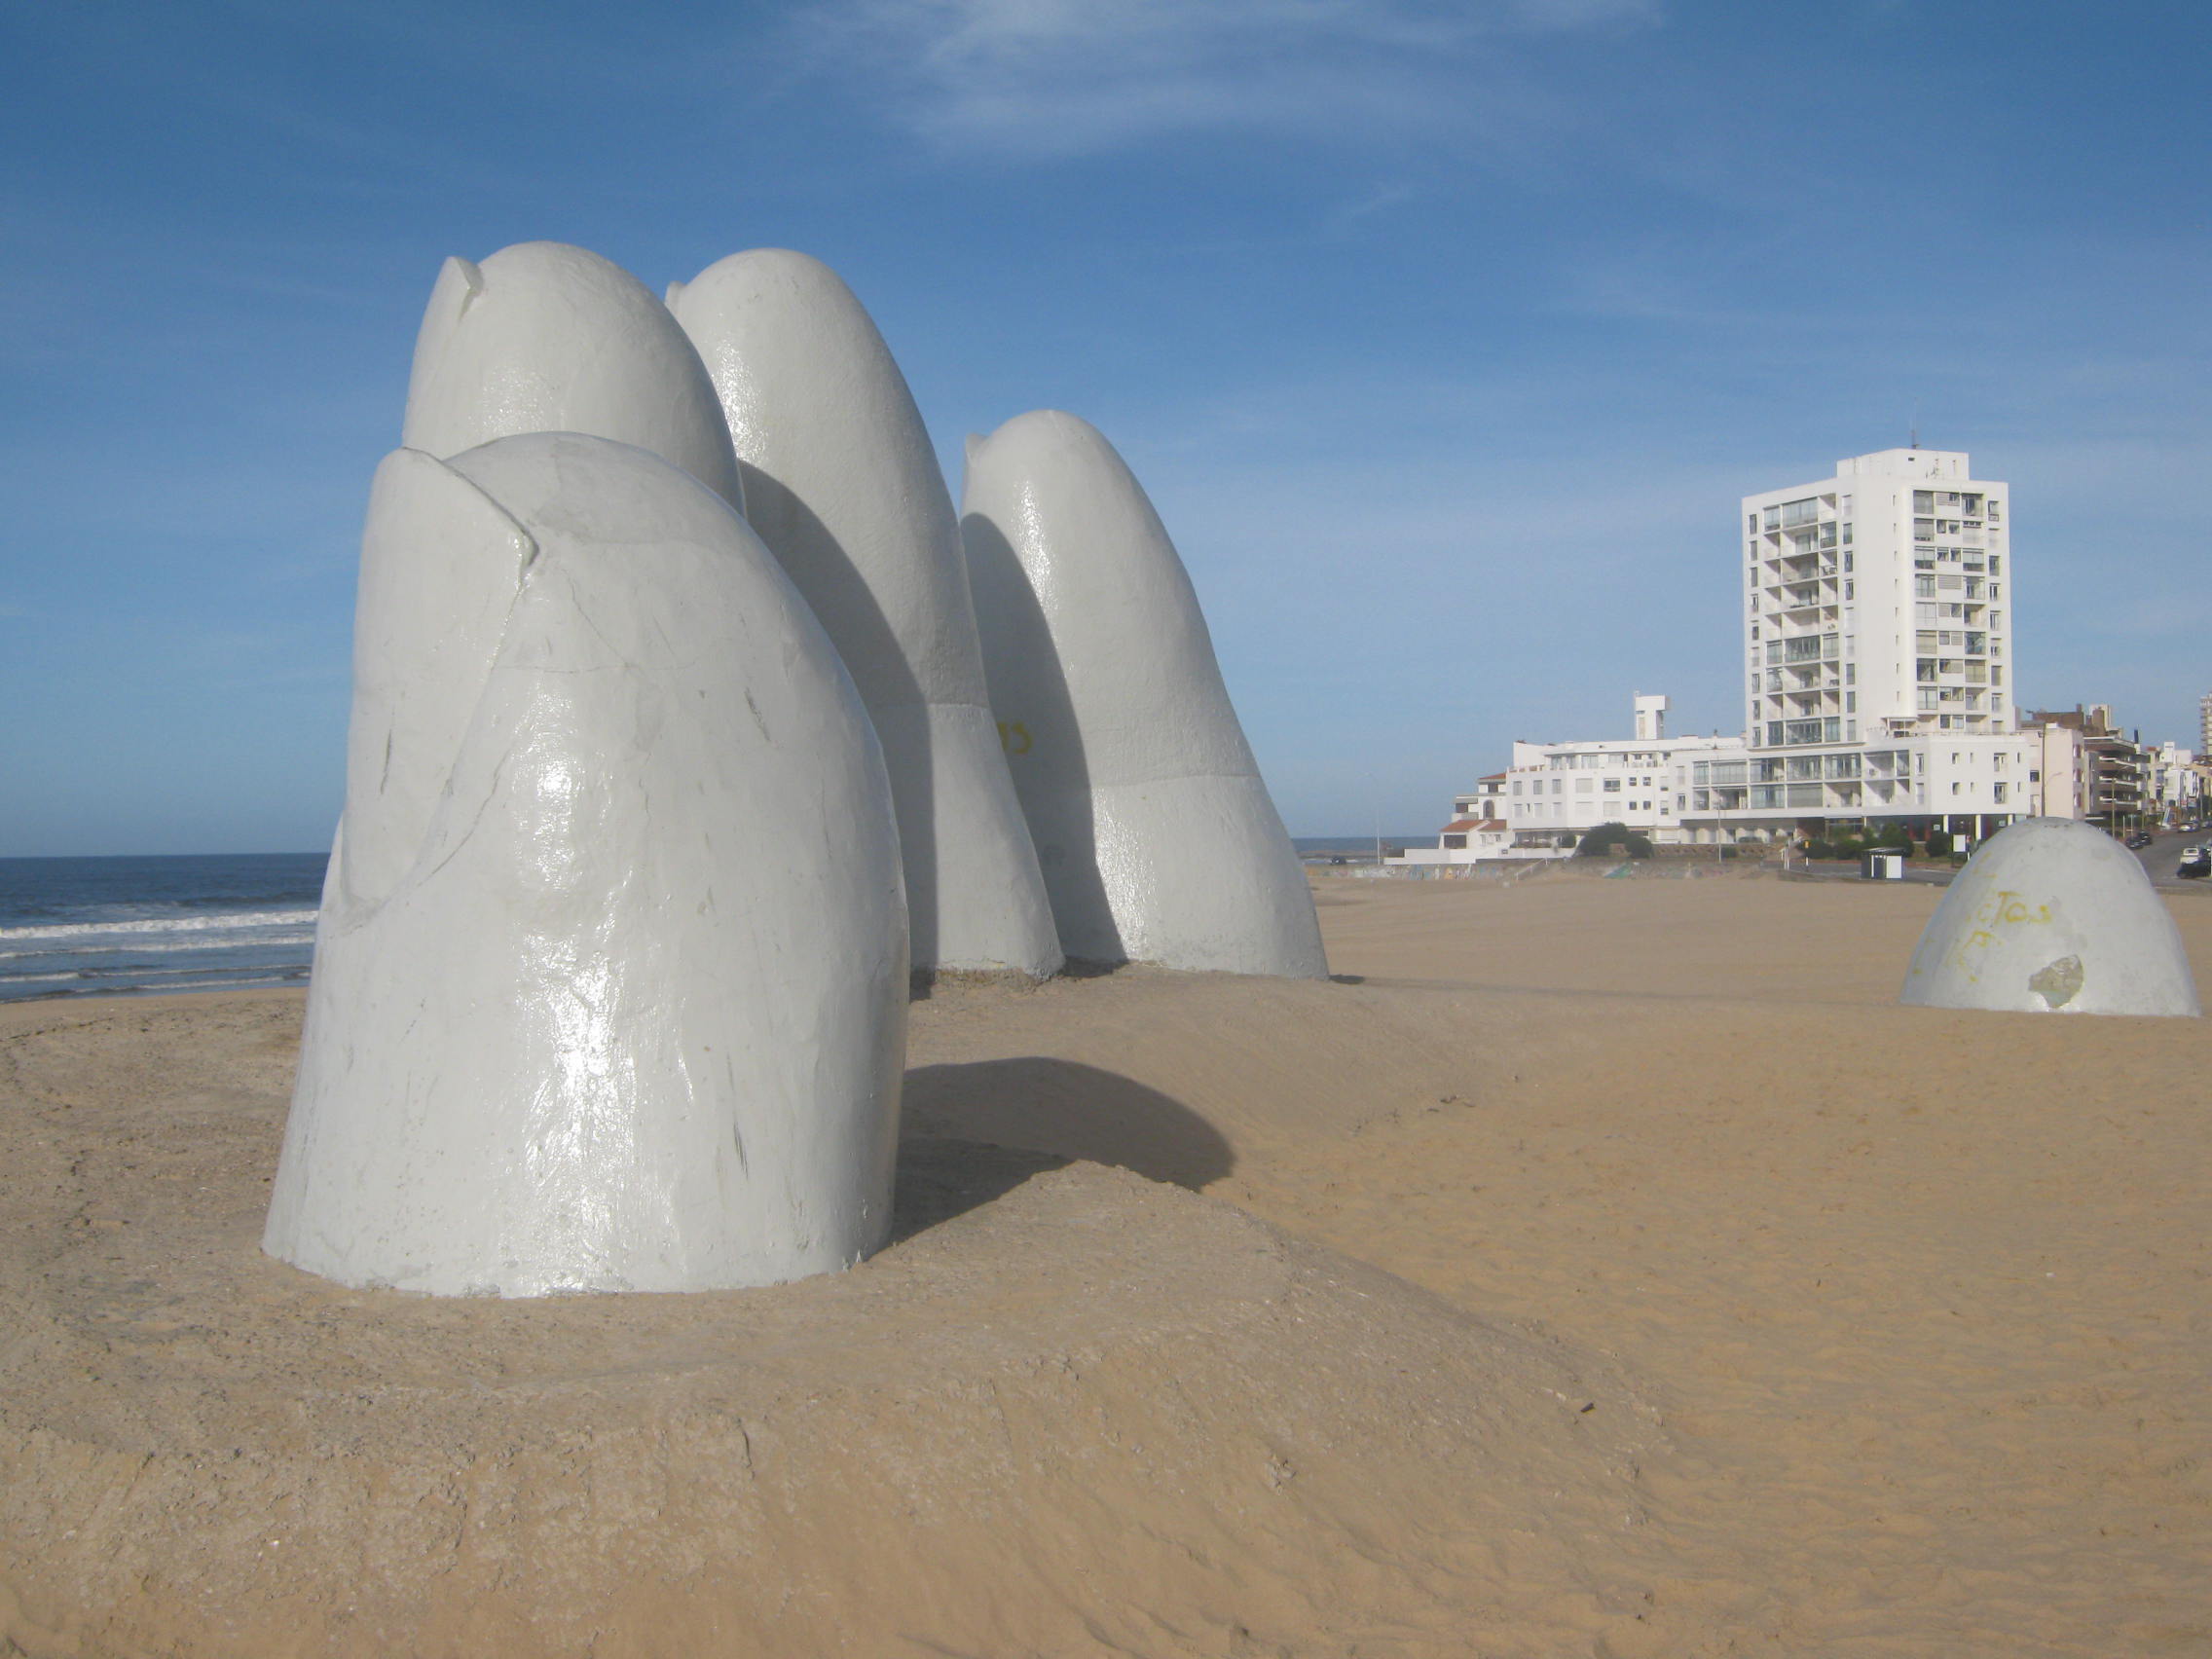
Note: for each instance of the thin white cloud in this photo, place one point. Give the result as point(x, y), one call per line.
point(1050, 78)
point(1347, 218)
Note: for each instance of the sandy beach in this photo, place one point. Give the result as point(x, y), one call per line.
point(1602, 1268)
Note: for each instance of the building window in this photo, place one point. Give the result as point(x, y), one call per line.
point(1998, 789)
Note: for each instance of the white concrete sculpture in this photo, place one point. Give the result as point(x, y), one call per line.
point(1156, 834)
point(842, 483)
point(2052, 915)
point(547, 338)
point(610, 979)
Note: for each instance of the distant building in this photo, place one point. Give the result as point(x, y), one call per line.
point(1486, 800)
point(1877, 648)
point(1874, 604)
point(1878, 670)
point(2060, 777)
point(1555, 791)
point(2177, 786)
point(2091, 769)
point(1462, 841)
point(1478, 829)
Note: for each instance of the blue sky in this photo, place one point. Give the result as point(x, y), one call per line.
point(1445, 336)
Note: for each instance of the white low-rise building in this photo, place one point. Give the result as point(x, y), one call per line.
point(1462, 841)
point(1966, 784)
point(1556, 791)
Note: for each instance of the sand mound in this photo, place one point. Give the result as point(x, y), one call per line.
point(1074, 1410)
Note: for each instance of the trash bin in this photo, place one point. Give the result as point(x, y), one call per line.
point(1883, 867)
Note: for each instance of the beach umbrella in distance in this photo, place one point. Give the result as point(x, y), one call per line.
point(621, 1005)
point(1156, 837)
point(842, 484)
point(2052, 915)
point(547, 338)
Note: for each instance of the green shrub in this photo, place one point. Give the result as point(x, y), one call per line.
point(1938, 843)
point(1614, 839)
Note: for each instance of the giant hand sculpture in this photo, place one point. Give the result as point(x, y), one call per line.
point(547, 338)
point(1156, 834)
point(611, 977)
point(842, 483)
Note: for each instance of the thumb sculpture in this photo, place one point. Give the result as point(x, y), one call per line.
point(2052, 916)
point(611, 977)
point(842, 483)
point(1157, 838)
point(547, 338)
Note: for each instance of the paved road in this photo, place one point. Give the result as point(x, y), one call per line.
point(2162, 855)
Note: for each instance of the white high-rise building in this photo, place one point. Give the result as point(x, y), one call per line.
point(1877, 655)
point(1874, 603)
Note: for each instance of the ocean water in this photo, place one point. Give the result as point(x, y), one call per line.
point(1359, 849)
point(87, 927)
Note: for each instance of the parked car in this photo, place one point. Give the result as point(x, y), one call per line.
point(2195, 861)
point(2139, 839)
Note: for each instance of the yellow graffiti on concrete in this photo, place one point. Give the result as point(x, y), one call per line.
point(1999, 911)
point(1013, 737)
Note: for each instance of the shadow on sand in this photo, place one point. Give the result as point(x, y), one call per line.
point(972, 1134)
